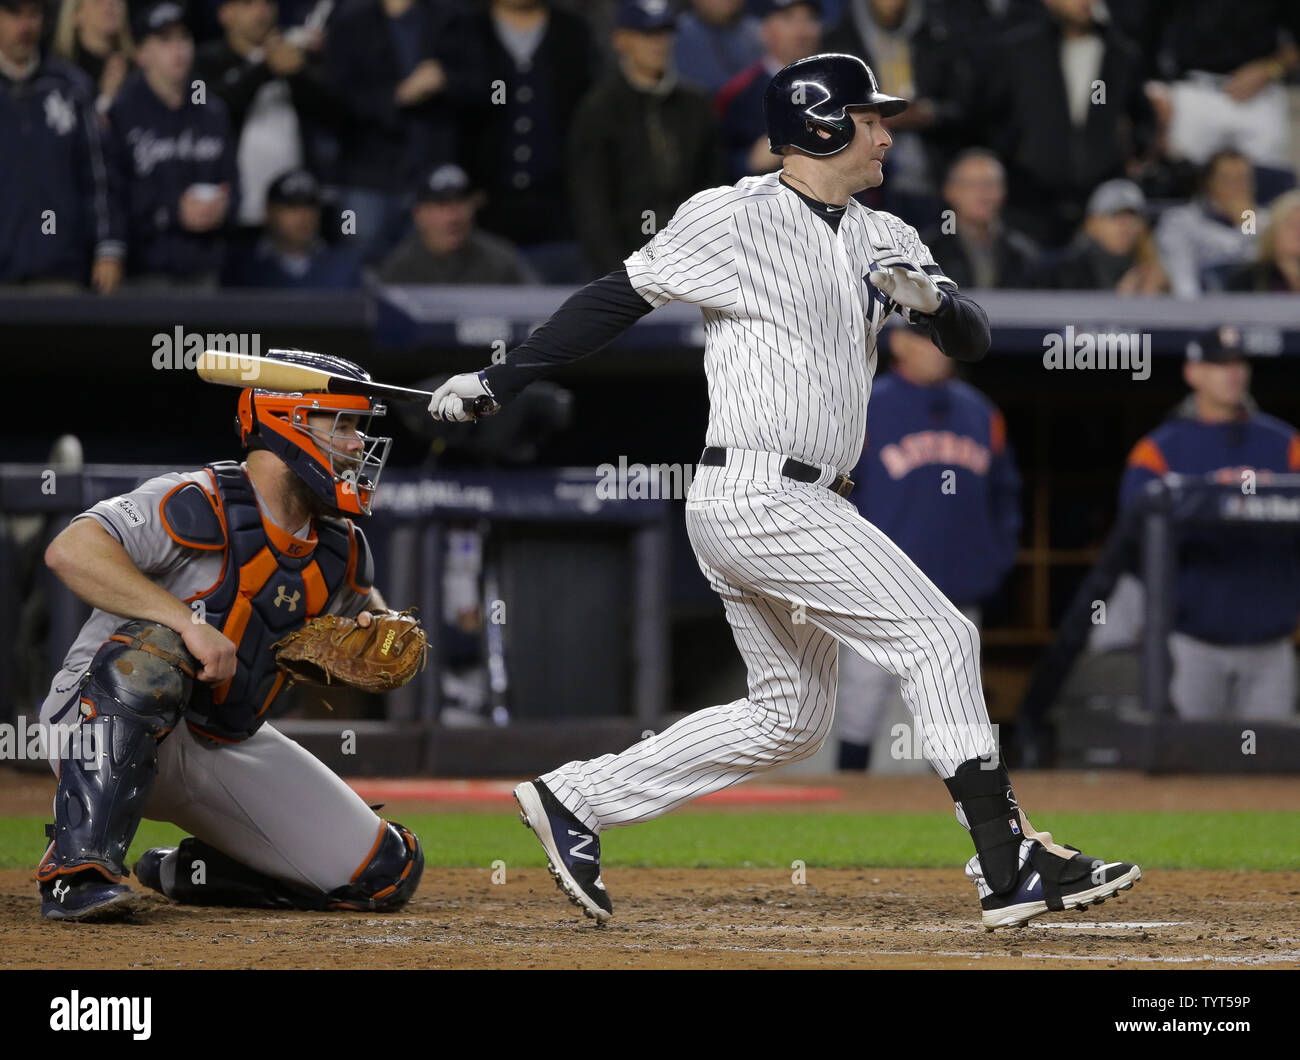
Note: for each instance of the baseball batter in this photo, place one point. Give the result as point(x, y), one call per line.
point(165, 695)
point(794, 278)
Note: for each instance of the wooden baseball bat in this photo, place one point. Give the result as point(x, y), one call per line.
point(244, 370)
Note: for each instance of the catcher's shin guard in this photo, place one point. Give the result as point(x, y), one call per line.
point(389, 876)
point(988, 808)
point(130, 698)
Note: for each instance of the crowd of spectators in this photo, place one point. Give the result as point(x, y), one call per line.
point(1140, 146)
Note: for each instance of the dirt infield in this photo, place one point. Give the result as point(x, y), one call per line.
point(722, 918)
point(673, 918)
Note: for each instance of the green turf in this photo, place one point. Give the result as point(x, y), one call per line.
point(1250, 840)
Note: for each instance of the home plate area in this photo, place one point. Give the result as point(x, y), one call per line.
point(697, 918)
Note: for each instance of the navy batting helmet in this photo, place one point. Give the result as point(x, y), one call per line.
point(815, 93)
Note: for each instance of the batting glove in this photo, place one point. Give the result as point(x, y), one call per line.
point(909, 287)
point(463, 398)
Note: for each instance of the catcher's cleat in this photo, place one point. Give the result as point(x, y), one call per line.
point(572, 849)
point(1050, 883)
point(85, 896)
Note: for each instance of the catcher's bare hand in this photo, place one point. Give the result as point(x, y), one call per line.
point(213, 649)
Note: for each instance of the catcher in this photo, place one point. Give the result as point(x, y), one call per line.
point(198, 580)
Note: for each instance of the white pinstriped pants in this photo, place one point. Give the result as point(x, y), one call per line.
point(799, 570)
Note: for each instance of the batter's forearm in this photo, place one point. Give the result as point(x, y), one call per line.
point(587, 322)
point(95, 566)
point(960, 327)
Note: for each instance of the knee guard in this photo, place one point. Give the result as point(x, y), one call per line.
point(129, 699)
point(988, 808)
point(389, 876)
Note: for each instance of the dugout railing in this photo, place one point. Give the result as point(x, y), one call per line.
point(1145, 540)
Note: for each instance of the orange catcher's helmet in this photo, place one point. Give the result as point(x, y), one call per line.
point(340, 461)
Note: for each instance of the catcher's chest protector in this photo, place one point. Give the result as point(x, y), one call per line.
point(271, 582)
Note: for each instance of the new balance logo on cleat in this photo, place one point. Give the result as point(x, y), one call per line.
point(1049, 884)
point(576, 870)
point(576, 851)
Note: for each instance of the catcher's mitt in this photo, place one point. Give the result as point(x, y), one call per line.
point(376, 658)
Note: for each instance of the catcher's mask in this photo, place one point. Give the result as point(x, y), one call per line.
point(341, 472)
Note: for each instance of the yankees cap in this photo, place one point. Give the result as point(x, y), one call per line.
point(646, 16)
point(154, 18)
point(771, 7)
point(443, 182)
point(297, 187)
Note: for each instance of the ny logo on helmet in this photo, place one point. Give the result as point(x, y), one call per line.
point(283, 597)
point(799, 96)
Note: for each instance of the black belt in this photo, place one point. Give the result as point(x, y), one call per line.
point(716, 456)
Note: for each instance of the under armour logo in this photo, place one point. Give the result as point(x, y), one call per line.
point(61, 894)
point(575, 851)
point(282, 597)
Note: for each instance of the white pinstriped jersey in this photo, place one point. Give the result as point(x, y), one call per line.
point(790, 318)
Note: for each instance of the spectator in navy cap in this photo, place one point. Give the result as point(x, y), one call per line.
point(445, 246)
point(173, 159)
point(292, 254)
point(790, 30)
point(56, 207)
point(716, 39)
point(642, 142)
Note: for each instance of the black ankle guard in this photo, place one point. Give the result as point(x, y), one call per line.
point(993, 817)
point(1056, 870)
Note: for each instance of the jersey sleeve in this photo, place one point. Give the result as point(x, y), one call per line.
point(1146, 463)
point(692, 258)
point(134, 519)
